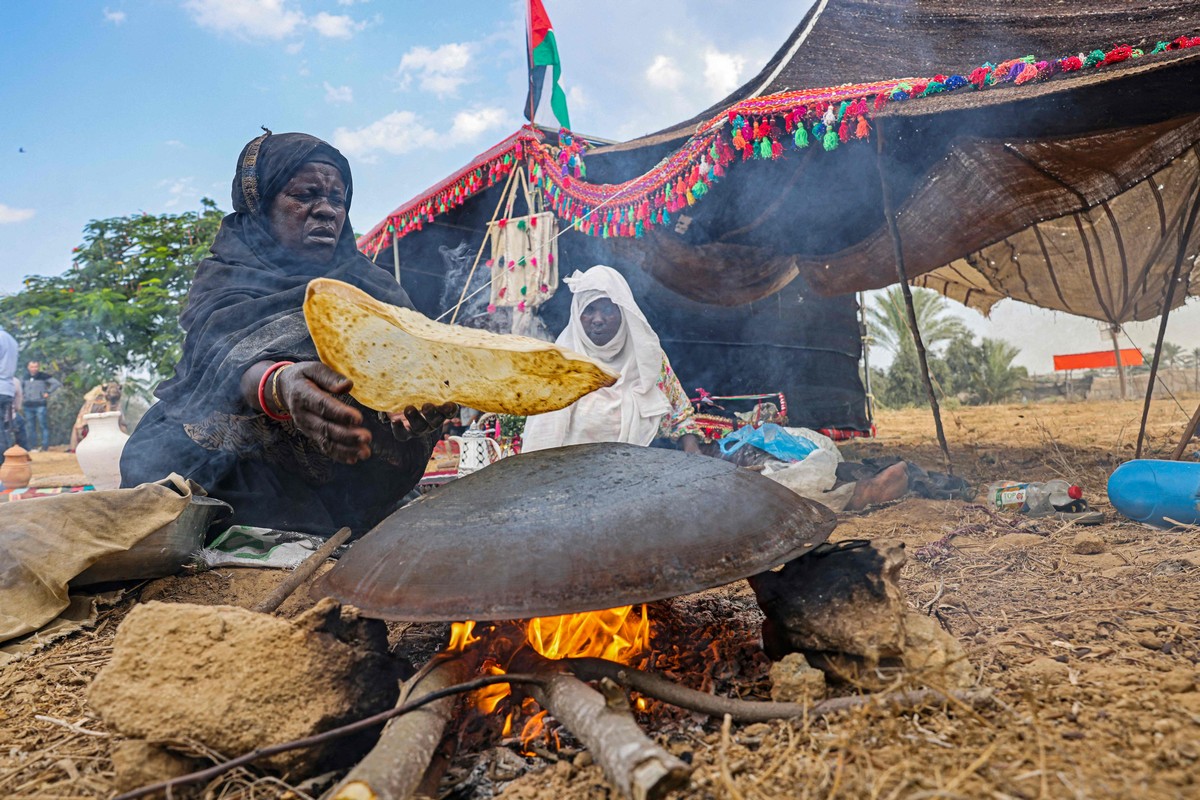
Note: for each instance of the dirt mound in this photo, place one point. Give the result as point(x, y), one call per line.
point(234, 680)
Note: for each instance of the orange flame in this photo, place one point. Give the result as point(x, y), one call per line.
point(617, 634)
point(487, 698)
point(533, 728)
point(462, 636)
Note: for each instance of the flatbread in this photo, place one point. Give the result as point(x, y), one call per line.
point(398, 357)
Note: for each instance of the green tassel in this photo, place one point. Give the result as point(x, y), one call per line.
point(801, 136)
point(764, 149)
point(831, 140)
point(521, 227)
point(1161, 47)
point(842, 109)
point(1093, 58)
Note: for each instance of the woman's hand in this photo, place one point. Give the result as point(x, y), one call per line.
point(306, 391)
point(413, 422)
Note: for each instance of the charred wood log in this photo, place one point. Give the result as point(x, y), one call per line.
point(660, 688)
point(633, 763)
point(395, 766)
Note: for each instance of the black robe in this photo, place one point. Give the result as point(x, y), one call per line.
point(245, 306)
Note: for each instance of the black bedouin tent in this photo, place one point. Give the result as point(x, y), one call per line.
point(793, 342)
point(1047, 154)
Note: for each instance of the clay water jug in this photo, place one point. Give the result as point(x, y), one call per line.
point(99, 453)
point(16, 470)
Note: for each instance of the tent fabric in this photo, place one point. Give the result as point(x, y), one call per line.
point(1110, 262)
point(975, 176)
point(857, 41)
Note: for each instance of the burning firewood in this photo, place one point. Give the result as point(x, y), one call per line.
point(394, 767)
point(633, 763)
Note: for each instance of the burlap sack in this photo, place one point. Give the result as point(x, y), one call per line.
point(44, 543)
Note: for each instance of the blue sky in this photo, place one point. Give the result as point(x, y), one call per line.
point(125, 106)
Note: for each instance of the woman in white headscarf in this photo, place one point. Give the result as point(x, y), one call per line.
point(646, 403)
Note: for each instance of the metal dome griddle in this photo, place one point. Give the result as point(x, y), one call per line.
point(574, 529)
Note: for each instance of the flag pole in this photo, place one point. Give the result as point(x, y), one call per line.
point(529, 59)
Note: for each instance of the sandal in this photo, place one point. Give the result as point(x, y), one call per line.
point(1077, 511)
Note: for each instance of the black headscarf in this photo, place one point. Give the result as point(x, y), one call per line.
point(245, 304)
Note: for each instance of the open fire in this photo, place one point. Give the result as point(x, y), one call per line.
point(617, 634)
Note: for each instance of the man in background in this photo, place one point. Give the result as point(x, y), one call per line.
point(8, 368)
point(38, 387)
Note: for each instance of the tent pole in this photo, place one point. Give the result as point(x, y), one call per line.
point(462, 298)
point(396, 255)
point(1188, 433)
point(1166, 312)
point(1112, 331)
point(902, 274)
point(864, 333)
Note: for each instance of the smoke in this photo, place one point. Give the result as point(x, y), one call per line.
point(458, 261)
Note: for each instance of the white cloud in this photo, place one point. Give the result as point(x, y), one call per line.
point(664, 74)
point(178, 191)
point(395, 134)
point(439, 71)
point(174, 143)
point(294, 48)
point(338, 94)
point(723, 71)
point(247, 19)
point(10, 214)
point(115, 17)
point(470, 125)
point(335, 26)
point(402, 132)
point(577, 98)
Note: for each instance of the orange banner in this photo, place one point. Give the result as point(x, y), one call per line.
point(1098, 360)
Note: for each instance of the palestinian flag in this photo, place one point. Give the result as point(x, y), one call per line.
point(543, 52)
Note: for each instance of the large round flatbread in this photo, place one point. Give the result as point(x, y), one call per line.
point(398, 357)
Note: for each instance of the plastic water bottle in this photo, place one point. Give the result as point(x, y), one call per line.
point(1031, 498)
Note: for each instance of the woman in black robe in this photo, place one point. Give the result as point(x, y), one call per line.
point(283, 444)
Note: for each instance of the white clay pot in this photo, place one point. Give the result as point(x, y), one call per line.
point(99, 453)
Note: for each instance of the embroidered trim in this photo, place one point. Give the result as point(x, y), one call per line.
point(250, 173)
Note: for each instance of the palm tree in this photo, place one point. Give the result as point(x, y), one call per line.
point(998, 378)
point(1171, 354)
point(889, 319)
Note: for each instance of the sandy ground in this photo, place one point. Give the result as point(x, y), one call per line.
point(1089, 639)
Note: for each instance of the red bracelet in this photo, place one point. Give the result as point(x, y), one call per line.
point(262, 385)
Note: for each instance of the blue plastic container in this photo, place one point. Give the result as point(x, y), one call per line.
point(1152, 491)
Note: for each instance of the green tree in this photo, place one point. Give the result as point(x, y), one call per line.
point(964, 361)
point(1172, 354)
point(903, 385)
point(998, 380)
point(888, 319)
point(115, 312)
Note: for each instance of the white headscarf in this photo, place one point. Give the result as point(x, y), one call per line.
point(632, 409)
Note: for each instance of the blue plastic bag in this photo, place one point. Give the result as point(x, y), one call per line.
point(772, 438)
